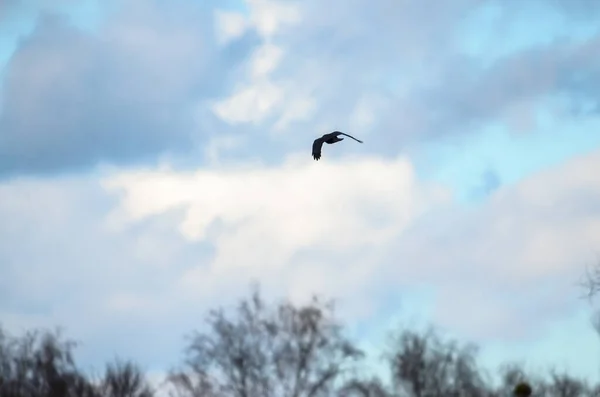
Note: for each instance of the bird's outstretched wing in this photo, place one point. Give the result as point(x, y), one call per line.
point(349, 136)
point(316, 148)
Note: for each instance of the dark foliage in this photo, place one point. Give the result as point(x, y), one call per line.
point(281, 350)
point(40, 364)
point(423, 365)
point(124, 379)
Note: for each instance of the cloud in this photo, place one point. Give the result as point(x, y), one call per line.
point(148, 250)
point(149, 267)
point(73, 99)
point(320, 85)
point(290, 219)
point(64, 265)
point(524, 250)
point(573, 8)
point(155, 82)
point(413, 79)
point(521, 82)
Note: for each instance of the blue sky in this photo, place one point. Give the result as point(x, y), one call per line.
point(155, 160)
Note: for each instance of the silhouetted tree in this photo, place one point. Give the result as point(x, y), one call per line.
point(365, 388)
point(40, 364)
point(124, 379)
point(556, 384)
point(513, 375)
point(561, 384)
point(591, 281)
point(279, 351)
point(591, 286)
point(423, 365)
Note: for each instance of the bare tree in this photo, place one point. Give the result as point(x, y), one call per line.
point(124, 379)
point(591, 280)
point(40, 364)
point(365, 388)
point(423, 365)
point(561, 384)
point(556, 384)
point(513, 375)
point(591, 287)
point(279, 351)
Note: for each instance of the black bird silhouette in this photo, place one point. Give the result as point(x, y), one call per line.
point(330, 138)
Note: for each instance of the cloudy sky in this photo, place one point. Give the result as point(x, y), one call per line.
point(155, 160)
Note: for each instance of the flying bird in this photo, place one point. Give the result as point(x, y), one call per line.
point(330, 138)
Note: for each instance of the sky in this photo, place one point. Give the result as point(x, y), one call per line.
point(166, 166)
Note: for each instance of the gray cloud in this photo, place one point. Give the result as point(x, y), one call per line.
point(414, 72)
point(581, 9)
point(468, 94)
point(6, 7)
point(130, 93)
point(353, 62)
point(73, 99)
point(475, 95)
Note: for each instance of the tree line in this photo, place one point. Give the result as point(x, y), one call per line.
point(276, 350)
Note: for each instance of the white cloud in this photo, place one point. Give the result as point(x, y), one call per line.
point(220, 144)
point(514, 261)
point(229, 26)
point(525, 241)
point(251, 104)
point(268, 16)
point(141, 268)
point(297, 109)
point(366, 112)
point(265, 60)
point(266, 217)
point(262, 98)
point(357, 230)
point(259, 97)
